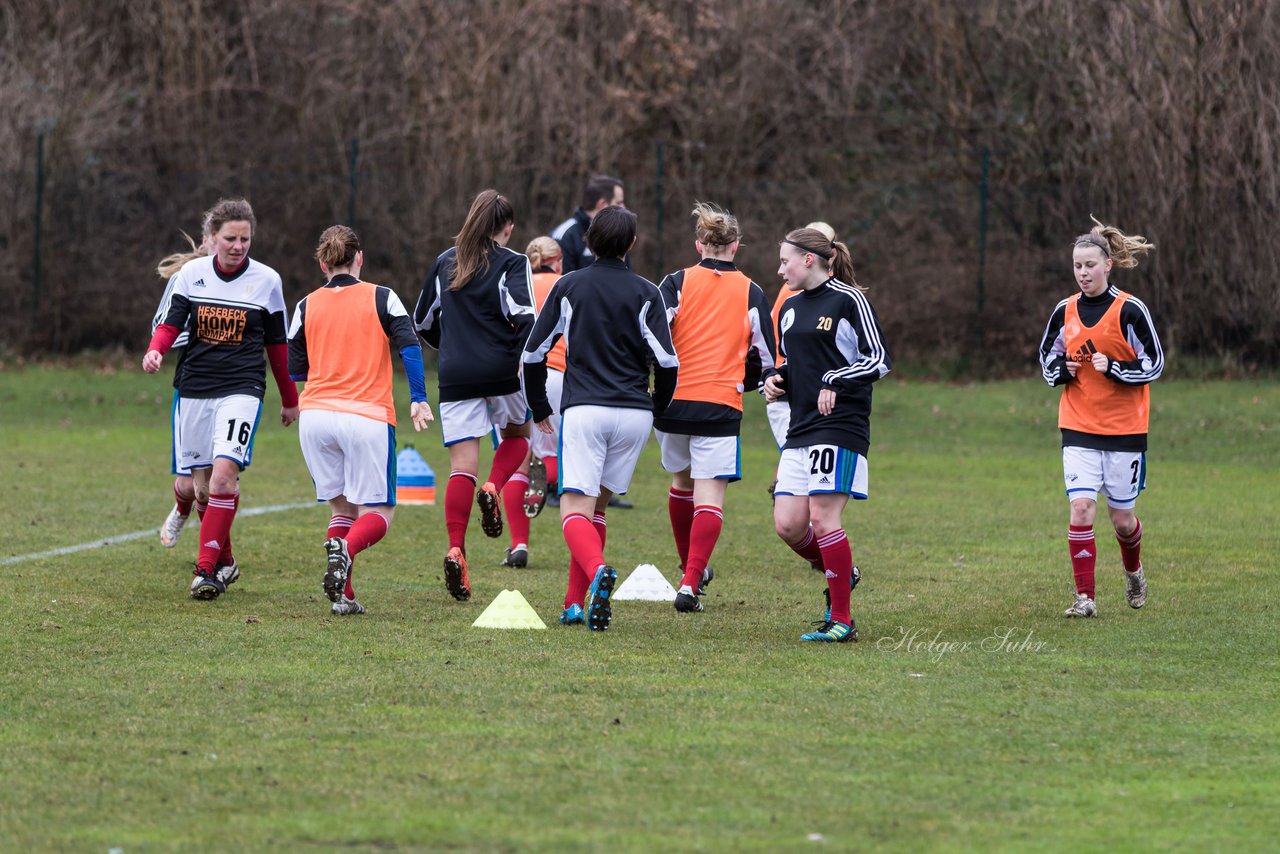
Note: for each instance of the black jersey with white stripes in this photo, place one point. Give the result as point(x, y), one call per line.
point(229, 318)
point(614, 323)
point(831, 339)
point(1139, 330)
point(572, 237)
point(480, 328)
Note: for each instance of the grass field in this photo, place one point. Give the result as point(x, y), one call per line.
point(970, 717)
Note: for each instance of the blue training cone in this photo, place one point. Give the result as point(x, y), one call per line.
point(415, 481)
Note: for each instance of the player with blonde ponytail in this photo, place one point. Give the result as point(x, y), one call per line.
point(720, 326)
point(184, 491)
point(232, 308)
point(1101, 346)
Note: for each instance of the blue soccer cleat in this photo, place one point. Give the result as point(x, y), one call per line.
point(831, 632)
point(572, 616)
point(599, 611)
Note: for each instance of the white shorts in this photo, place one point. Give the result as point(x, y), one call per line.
point(599, 446)
point(470, 419)
point(175, 453)
point(706, 457)
point(206, 428)
point(1119, 475)
point(779, 413)
point(349, 455)
point(547, 444)
point(821, 469)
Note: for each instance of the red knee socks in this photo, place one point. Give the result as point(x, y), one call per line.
point(1084, 556)
point(1131, 548)
point(808, 549)
point(837, 557)
point(458, 495)
point(703, 534)
point(513, 509)
point(680, 508)
point(183, 502)
point(511, 454)
point(215, 531)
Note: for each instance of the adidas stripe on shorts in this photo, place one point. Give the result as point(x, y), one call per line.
point(821, 469)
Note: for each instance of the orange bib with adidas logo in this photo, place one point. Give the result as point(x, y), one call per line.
point(1093, 403)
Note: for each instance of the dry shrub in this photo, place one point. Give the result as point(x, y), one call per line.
point(1160, 117)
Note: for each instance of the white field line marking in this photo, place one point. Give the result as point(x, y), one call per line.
point(138, 535)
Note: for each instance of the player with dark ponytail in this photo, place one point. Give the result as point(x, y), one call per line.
point(476, 309)
point(834, 351)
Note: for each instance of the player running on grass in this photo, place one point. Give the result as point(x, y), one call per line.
point(1101, 346)
point(613, 323)
point(721, 331)
point(347, 426)
point(476, 309)
point(834, 350)
point(525, 494)
point(232, 307)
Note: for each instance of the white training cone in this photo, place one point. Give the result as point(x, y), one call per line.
point(646, 583)
point(509, 610)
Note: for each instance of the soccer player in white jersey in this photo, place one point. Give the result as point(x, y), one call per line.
point(233, 308)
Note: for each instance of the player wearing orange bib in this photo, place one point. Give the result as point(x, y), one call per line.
point(338, 344)
point(1101, 346)
point(720, 329)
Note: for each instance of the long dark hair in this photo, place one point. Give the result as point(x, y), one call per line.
point(490, 212)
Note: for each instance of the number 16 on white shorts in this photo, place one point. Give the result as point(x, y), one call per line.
point(819, 469)
point(211, 427)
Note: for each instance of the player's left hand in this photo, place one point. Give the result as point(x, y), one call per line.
point(420, 415)
point(1100, 363)
point(544, 426)
point(288, 415)
point(826, 401)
